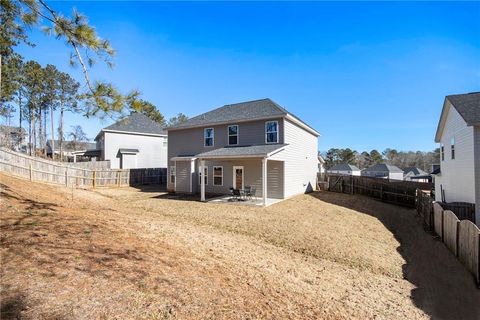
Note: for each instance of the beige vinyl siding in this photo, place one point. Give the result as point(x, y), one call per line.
point(477, 172)
point(300, 157)
point(183, 176)
point(190, 141)
point(275, 179)
point(457, 176)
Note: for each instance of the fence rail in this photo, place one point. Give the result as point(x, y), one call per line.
point(48, 171)
point(392, 191)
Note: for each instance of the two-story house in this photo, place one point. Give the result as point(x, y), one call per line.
point(255, 143)
point(133, 142)
point(458, 134)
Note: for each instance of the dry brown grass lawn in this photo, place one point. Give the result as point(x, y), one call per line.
point(125, 254)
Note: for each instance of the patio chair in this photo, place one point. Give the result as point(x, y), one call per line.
point(234, 193)
point(248, 191)
point(252, 193)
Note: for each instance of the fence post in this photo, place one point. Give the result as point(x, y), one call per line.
point(118, 178)
point(94, 178)
point(31, 172)
point(381, 192)
point(66, 177)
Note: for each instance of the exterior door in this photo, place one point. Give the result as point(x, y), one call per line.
point(238, 177)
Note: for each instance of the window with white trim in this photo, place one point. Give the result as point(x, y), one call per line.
point(233, 134)
point(271, 132)
point(172, 174)
point(208, 135)
point(442, 152)
point(205, 170)
point(452, 148)
point(218, 176)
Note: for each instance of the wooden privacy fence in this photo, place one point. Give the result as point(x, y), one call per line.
point(392, 191)
point(424, 205)
point(48, 171)
point(461, 237)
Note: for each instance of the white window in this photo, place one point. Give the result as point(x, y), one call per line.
point(205, 170)
point(233, 134)
point(442, 152)
point(452, 148)
point(208, 135)
point(218, 176)
point(271, 132)
point(172, 174)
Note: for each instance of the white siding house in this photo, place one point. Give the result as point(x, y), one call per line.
point(345, 169)
point(459, 139)
point(382, 170)
point(134, 142)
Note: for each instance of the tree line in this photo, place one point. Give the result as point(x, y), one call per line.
point(38, 92)
point(365, 159)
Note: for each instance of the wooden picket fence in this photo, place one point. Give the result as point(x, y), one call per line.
point(37, 169)
point(392, 191)
point(461, 237)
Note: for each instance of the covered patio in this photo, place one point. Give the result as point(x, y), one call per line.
point(251, 168)
point(259, 202)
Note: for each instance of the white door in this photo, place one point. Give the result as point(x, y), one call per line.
point(129, 161)
point(238, 177)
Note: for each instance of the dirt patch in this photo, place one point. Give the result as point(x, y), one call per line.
point(127, 253)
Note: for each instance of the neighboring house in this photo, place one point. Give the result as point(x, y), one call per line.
point(13, 138)
point(416, 174)
point(345, 169)
point(458, 134)
point(133, 142)
point(382, 170)
point(255, 143)
point(321, 165)
point(71, 149)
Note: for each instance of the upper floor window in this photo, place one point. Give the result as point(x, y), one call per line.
point(452, 148)
point(208, 135)
point(233, 134)
point(271, 132)
point(442, 152)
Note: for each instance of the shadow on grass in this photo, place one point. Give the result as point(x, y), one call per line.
point(184, 196)
point(444, 288)
point(11, 307)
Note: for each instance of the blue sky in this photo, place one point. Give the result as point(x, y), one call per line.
point(365, 74)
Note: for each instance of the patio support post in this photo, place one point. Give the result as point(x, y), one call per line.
point(74, 158)
point(264, 181)
point(202, 181)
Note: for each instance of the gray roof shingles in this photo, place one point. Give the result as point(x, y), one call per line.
point(382, 167)
point(243, 111)
point(344, 167)
point(468, 105)
point(416, 171)
point(137, 122)
point(241, 151)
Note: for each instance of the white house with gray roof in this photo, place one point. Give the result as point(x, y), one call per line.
point(385, 171)
point(134, 142)
point(345, 169)
point(458, 134)
point(255, 143)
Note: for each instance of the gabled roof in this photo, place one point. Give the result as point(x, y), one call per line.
point(344, 167)
point(136, 123)
point(416, 171)
point(243, 151)
point(382, 167)
point(238, 112)
point(68, 145)
point(467, 105)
